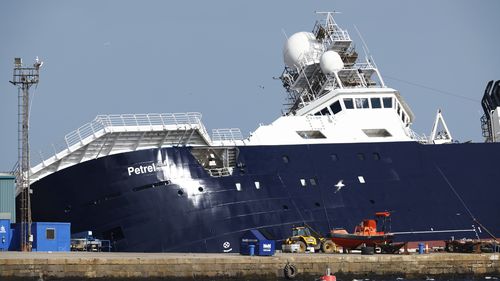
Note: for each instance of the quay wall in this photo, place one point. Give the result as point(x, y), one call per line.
point(15, 265)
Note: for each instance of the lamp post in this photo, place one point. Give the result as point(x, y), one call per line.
point(24, 78)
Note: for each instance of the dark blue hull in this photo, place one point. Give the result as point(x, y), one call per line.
point(195, 212)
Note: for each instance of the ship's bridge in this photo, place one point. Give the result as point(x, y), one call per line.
point(343, 116)
point(360, 99)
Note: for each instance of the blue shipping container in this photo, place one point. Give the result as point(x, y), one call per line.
point(47, 236)
point(51, 236)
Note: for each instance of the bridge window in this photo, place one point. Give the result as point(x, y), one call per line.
point(403, 116)
point(325, 111)
point(348, 103)
point(334, 157)
point(362, 103)
point(335, 107)
point(398, 108)
point(376, 156)
point(376, 103)
point(311, 134)
point(313, 182)
point(361, 156)
point(387, 102)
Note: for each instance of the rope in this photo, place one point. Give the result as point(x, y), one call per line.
point(463, 203)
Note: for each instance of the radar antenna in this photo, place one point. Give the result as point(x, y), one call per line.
point(24, 78)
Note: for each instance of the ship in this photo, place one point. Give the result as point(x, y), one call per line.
point(342, 149)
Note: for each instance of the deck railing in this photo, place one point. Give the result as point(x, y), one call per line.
point(420, 138)
point(103, 123)
point(232, 134)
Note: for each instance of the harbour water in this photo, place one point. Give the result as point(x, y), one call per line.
point(304, 278)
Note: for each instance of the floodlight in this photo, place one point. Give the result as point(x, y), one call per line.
point(18, 62)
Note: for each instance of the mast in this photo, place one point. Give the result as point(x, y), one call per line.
point(24, 78)
point(323, 60)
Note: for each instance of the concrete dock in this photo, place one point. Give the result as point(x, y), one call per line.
point(83, 265)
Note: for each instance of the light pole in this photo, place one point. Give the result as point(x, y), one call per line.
point(24, 78)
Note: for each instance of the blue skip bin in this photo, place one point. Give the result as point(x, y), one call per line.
point(254, 242)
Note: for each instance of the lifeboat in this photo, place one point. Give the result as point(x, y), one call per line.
point(365, 233)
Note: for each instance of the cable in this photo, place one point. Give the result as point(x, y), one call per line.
point(31, 103)
point(463, 203)
point(432, 89)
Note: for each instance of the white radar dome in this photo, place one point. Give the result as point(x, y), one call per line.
point(330, 62)
point(299, 45)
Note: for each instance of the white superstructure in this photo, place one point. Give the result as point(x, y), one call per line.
point(332, 97)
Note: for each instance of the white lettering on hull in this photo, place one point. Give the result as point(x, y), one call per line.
point(141, 169)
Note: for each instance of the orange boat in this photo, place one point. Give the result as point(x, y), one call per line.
point(365, 233)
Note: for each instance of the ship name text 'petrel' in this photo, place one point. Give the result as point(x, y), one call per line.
point(141, 169)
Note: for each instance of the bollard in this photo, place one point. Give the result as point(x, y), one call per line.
point(251, 247)
point(420, 248)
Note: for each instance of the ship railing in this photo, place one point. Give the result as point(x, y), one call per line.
point(231, 134)
point(15, 169)
point(108, 122)
point(337, 36)
point(364, 65)
point(103, 124)
point(153, 119)
point(340, 35)
point(420, 138)
point(333, 31)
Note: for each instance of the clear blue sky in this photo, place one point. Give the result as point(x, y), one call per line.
point(112, 57)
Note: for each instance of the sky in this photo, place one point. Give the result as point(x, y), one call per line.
point(219, 58)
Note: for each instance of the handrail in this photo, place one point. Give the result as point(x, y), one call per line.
point(413, 135)
point(232, 134)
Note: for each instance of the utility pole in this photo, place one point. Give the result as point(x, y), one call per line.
point(24, 78)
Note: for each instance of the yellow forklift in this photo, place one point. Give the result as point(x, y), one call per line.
point(306, 237)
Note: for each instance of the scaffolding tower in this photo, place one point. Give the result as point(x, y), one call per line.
point(24, 78)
